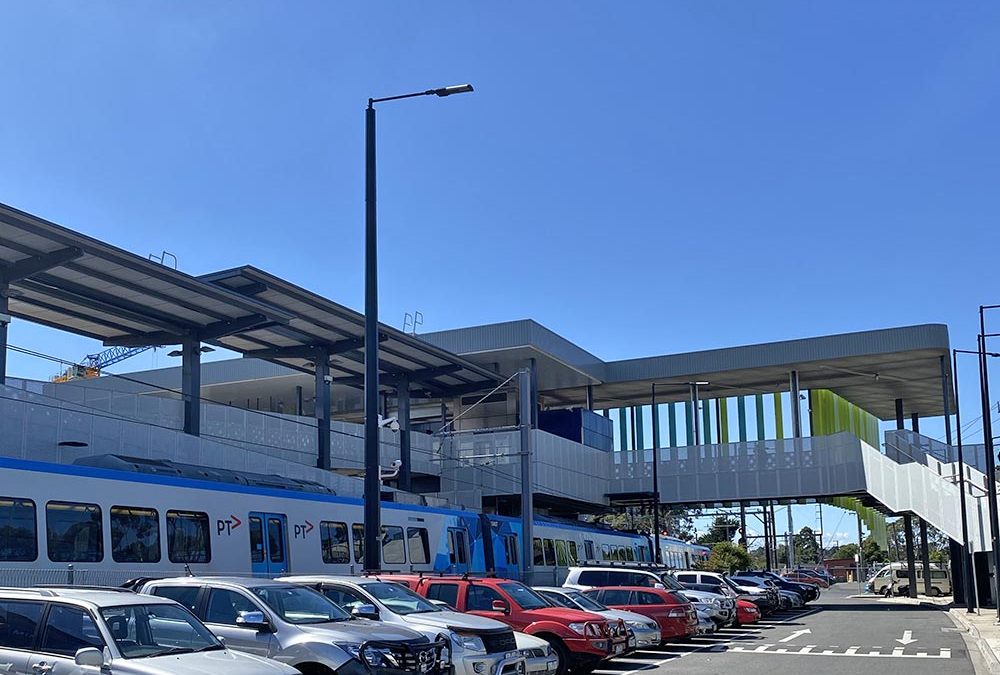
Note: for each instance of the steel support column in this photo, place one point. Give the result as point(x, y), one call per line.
point(911, 558)
point(971, 601)
point(991, 463)
point(403, 415)
point(925, 557)
point(590, 397)
point(4, 322)
point(767, 537)
point(794, 393)
point(527, 481)
point(372, 489)
point(657, 554)
point(321, 409)
point(915, 423)
point(191, 386)
point(694, 413)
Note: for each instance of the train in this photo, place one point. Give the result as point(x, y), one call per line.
point(86, 524)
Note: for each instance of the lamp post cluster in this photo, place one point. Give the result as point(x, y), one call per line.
point(372, 490)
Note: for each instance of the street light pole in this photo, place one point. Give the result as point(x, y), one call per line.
point(657, 556)
point(372, 496)
point(991, 466)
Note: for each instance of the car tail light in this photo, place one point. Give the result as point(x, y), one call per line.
point(677, 613)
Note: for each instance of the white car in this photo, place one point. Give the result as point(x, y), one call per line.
point(645, 631)
point(70, 631)
point(479, 646)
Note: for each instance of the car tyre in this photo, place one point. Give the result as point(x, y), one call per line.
point(935, 592)
point(561, 652)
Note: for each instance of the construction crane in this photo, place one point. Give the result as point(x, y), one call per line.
point(93, 363)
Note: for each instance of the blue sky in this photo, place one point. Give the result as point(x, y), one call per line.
point(643, 177)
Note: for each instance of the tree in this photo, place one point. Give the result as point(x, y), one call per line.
point(723, 529)
point(845, 552)
point(806, 546)
point(873, 553)
point(727, 557)
point(677, 523)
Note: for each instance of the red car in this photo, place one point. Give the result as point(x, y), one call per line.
point(673, 612)
point(582, 639)
point(746, 612)
point(803, 578)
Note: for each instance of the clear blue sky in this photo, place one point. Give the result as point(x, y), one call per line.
point(642, 177)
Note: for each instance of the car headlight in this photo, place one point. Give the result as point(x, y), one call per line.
point(641, 625)
point(371, 656)
point(580, 628)
point(473, 643)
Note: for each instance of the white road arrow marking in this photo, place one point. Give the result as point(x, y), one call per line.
point(798, 633)
point(907, 638)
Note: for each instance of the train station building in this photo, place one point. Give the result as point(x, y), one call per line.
point(834, 419)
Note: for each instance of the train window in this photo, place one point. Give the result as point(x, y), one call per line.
point(536, 549)
point(458, 546)
point(276, 540)
point(561, 553)
point(511, 548)
point(573, 557)
point(358, 532)
point(189, 538)
point(18, 532)
point(256, 539)
point(74, 532)
point(629, 553)
point(588, 549)
point(420, 550)
point(393, 546)
point(18, 622)
point(446, 593)
point(335, 543)
point(135, 534)
point(550, 552)
point(605, 552)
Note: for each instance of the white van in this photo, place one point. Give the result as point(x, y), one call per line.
point(879, 583)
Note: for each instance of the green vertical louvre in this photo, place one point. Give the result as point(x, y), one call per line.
point(759, 404)
point(639, 444)
point(741, 415)
point(706, 424)
point(833, 414)
point(672, 424)
point(779, 422)
point(724, 419)
point(623, 428)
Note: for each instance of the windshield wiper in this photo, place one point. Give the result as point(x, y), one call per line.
point(173, 650)
point(209, 648)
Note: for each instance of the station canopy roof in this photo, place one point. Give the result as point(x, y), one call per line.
point(66, 280)
point(319, 325)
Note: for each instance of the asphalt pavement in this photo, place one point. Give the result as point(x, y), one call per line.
point(838, 635)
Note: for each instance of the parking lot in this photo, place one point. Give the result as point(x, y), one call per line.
point(839, 634)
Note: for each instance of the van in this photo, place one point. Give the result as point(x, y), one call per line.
point(879, 583)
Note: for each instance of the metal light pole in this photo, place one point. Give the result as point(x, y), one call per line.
point(372, 517)
point(657, 555)
point(991, 464)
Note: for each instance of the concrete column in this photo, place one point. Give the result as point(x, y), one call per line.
point(322, 409)
point(403, 413)
point(191, 386)
point(911, 562)
point(925, 557)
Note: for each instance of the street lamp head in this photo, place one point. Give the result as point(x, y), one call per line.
point(454, 89)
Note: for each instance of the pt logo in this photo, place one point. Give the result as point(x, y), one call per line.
point(300, 530)
point(227, 525)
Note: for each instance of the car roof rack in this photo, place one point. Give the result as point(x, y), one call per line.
point(46, 592)
point(83, 587)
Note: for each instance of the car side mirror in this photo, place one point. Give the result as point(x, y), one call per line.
point(253, 620)
point(501, 606)
point(660, 586)
point(89, 656)
point(365, 611)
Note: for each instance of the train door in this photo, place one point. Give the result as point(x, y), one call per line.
point(268, 544)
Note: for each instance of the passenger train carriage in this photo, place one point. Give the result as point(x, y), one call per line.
point(83, 524)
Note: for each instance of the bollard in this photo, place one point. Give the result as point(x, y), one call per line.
point(69, 574)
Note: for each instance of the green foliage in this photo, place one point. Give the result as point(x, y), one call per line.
point(723, 529)
point(677, 523)
point(847, 551)
point(727, 557)
point(806, 547)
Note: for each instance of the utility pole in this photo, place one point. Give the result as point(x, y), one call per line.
point(527, 481)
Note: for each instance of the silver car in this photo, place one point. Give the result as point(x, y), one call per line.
point(479, 646)
point(72, 631)
point(303, 628)
point(645, 632)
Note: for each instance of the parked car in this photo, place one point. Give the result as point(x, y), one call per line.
point(879, 583)
point(746, 612)
point(803, 577)
point(581, 639)
point(808, 591)
point(301, 627)
point(764, 586)
point(672, 611)
point(819, 574)
point(765, 600)
point(114, 632)
point(583, 578)
point(645, 630)
point(479, 646)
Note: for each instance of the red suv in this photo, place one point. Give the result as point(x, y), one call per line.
point(582, 639)
point(674, 614)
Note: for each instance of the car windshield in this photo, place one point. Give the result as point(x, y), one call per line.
point(157, 629)
point(732, 585)
point(300, 605)
point(399, 599)
point(670, 582)
point(587, 603)
point(524, 596)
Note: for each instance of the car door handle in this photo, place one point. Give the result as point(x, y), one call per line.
point(42, 667)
